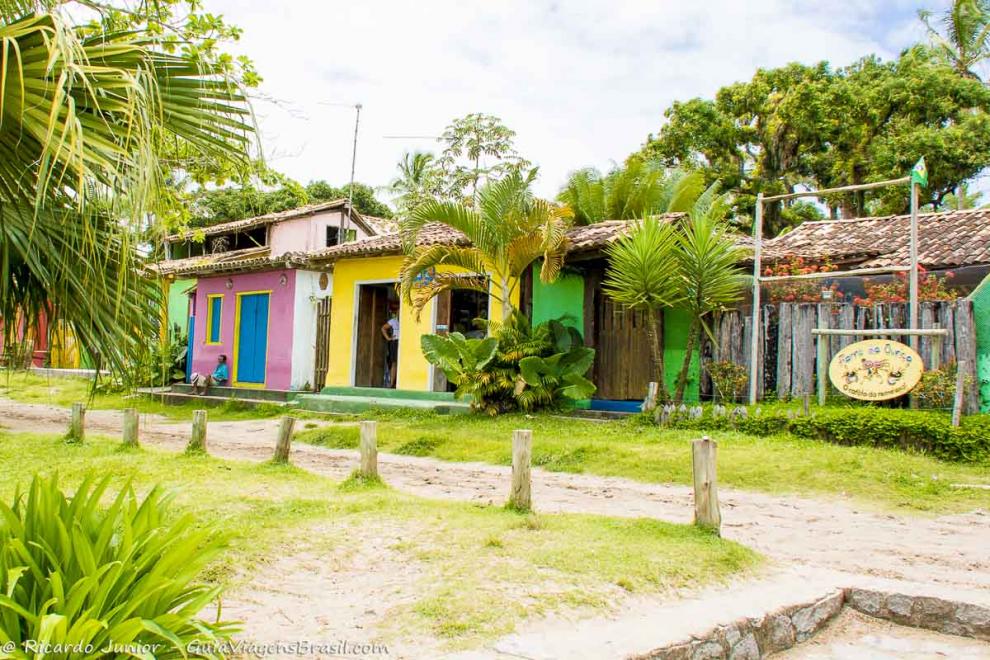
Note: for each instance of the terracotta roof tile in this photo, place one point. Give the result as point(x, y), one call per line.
point(945, 240)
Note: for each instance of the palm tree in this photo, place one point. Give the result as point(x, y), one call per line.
point(506, 232)
point(707, 258)
point(86, 118)
point(964, 37)
point(643, 275)
point(630, 192)
point(416, 182)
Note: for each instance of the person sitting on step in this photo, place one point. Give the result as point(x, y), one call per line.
point(218, 377)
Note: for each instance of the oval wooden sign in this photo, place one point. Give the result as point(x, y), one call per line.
point(875, 370)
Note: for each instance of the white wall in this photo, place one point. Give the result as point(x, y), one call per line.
point(304, 325)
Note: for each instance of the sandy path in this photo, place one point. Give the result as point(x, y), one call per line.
point(949, 552)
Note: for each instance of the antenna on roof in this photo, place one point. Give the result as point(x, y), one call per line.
point(350, 188)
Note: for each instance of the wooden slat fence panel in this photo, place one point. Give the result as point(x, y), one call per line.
point(789, 350)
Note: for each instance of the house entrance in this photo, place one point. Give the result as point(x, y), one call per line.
point(371, 368)
point(457, 311)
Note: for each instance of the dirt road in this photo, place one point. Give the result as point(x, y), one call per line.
point(948, 551)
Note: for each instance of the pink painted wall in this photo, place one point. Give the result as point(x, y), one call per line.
point(308, 233)
point(280, 312)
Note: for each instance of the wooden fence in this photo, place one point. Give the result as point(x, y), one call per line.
point(788, 348)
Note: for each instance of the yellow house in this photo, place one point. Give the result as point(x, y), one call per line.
point(365, 296)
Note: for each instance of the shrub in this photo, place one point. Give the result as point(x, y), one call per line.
point(937, 387)
point(74, 573)
point(728, 378)
point(518, 366)
point(923, 431)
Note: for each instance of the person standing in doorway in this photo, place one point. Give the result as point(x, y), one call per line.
point(390, 331)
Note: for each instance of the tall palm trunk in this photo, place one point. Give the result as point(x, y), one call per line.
point(694, 336)
point(654, 333)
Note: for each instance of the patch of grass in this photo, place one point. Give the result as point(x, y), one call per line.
point(266, 511)
point(28, 387)
point(886, 479)
point(334, 437)
point(421, 446)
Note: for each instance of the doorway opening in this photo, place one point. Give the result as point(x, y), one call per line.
point(459, 311)
point(372, 366)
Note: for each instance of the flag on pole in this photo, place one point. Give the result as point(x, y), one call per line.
point(919, 174)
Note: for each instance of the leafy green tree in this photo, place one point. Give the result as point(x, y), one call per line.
point(417, 181)
point(88, 123)
point(963, 38)
point(364, 197)
point(478, 149)
point(635, 190)
point(799, 127)
point(708, 257)
point(506, 233)
point(643, 275)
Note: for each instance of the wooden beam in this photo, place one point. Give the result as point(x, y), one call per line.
point(754, 346)
point(889, 332)
point(841, 189)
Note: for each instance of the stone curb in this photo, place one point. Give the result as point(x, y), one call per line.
point(754, 638)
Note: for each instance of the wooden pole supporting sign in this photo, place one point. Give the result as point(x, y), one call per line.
point(704, 456)
point(520, 497)
point(369, 450)
point(284, 442)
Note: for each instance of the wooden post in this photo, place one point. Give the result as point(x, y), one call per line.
point(369, 450)
point(806, 404)
point(197, 442)
point(936, 348)
point(520, 497)
point(131, 427)
point(77, 427)
point(913, 273)
point(650, 402)
point(754, 346)
point(284, 442)
point(821, 369)
point(957, 400)
point(704, 455)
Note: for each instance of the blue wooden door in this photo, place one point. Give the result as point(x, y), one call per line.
point(252, 338)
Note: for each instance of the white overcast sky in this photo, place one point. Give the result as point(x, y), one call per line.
point(582, 83)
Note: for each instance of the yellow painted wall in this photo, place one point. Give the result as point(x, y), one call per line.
point(414, 370)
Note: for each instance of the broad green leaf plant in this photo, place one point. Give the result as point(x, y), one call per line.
point(75, 573)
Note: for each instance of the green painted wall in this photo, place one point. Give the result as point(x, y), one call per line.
point(178, 303)
point(565, 297)
point(981, 318)
point(676, 323)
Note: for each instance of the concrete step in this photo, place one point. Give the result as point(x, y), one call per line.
point(239, 392)
point(335, 403)
point(211, 400)
point(388, 393)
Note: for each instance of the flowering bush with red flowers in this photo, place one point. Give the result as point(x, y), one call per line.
point(930, 287)
point(800, 291)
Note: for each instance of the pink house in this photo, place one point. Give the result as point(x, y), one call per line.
point(255, 302)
